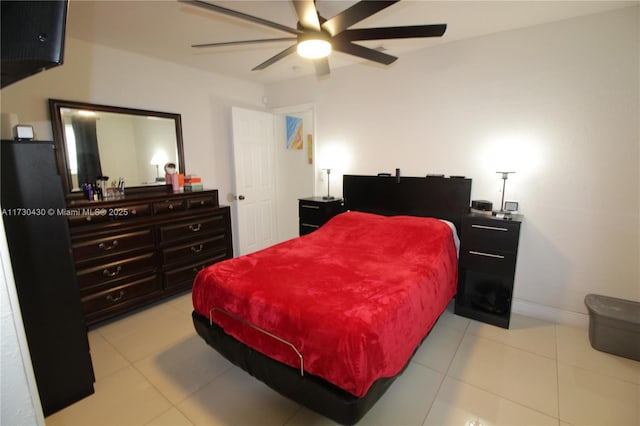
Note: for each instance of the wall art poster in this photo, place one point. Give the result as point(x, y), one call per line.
point(294, 132)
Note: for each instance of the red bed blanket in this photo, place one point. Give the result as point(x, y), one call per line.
point(355, 297)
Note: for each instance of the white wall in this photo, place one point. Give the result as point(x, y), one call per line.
point(98, 74)
point(294, 173)
point(102, 75)
point(18, 390)
point(561, 98)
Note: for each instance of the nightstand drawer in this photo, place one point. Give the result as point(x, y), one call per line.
point(306, 228)
point(491, 261)
point(491, 235)
point(313, 213)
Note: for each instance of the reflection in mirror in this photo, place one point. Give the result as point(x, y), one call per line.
point(119, 143)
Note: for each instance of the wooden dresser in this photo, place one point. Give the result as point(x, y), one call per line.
point(137, 250)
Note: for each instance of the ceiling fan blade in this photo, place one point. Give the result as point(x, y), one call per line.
point(288, 51)
point(322, 67)
point(234, 43)
point(387, 33)
point(354, 14)
point(240, 15)
point(364, 52)
point(307, 14)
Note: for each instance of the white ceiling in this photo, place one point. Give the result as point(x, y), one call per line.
point(166, 29)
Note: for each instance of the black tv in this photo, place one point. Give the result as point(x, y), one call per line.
point(32, 38)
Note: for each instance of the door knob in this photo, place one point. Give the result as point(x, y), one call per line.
point(241, 197)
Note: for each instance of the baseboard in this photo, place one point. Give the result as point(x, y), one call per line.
point(548, 313)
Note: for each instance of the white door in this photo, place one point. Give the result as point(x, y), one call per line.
point(253, 145)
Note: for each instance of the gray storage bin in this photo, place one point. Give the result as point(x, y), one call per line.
point(614, 325)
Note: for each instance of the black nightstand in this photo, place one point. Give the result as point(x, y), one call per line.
point(487, 265)
point(314, 212)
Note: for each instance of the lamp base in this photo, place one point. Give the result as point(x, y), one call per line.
point(328, 197)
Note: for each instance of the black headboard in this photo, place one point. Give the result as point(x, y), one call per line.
point(444, 198)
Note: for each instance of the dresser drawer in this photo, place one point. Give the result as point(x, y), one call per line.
point(120, 295)
point(192, 228)
point(195, 249)
point(98, 214)
point(184, 275)
point(202, 202)
point(116, 270)
point(111, 245)
point(490, 261)
point(491, 235)
point(168, 206)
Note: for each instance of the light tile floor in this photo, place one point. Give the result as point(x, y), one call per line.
point(153, 369)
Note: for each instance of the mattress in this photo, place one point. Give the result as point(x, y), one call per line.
point(348, 303)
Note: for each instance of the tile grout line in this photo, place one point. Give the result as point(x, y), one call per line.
point(146, 379)
point(555, 332)
point(520, 404)
point(446, 373)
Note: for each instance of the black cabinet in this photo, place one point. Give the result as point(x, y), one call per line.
point(313, 212)
point(487, 265)
point(37, 234)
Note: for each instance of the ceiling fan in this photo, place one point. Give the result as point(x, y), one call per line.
point(315, 37)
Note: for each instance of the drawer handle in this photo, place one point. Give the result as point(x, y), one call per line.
point(120, 295)
point(310, 225)
point(170, 206)
point(481, 253)
point(105, 247)
point(490, 228)
point(133, 211)
point(196, 270)
point(197, 249)
point(109, 273)
point(308, 206)
point(202, 203)
point(195, 228)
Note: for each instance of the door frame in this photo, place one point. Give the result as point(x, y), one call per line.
point(277, 113)
point(287, 198)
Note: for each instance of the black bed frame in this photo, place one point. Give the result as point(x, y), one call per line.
point(432, 196)
point(444, 198)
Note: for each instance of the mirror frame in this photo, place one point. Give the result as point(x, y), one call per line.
point(55, 107)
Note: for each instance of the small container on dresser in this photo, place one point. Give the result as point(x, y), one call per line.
point(487, 265)
point(313, 212)
point(132, 252)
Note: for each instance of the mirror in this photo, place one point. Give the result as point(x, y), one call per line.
point(100, 140)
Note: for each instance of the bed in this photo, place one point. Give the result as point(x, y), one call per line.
point(332, 318)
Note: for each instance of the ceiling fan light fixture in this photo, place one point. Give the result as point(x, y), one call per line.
point(314, 47)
